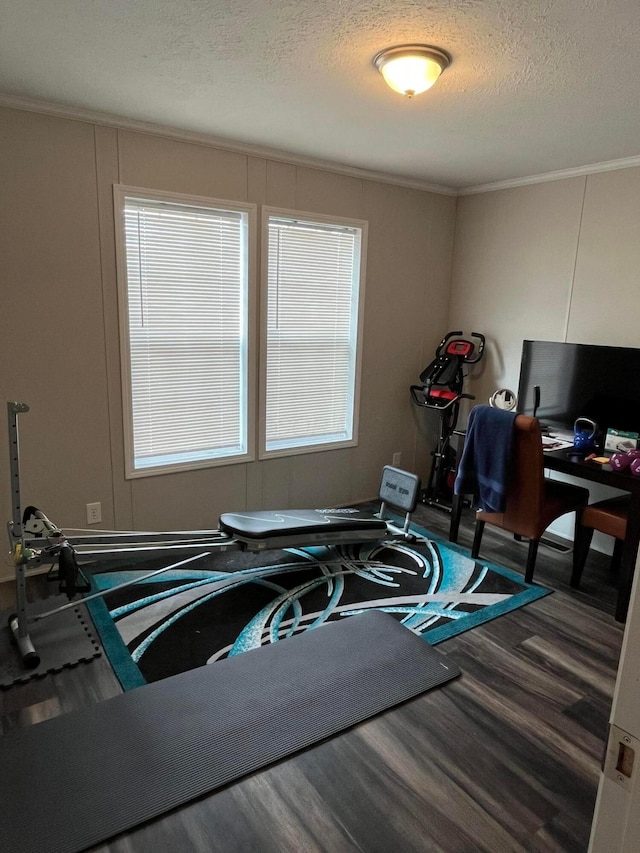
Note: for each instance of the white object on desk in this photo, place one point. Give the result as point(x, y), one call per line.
point(556, 442)
point(503, 399)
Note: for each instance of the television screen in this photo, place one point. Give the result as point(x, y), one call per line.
point(580, 380)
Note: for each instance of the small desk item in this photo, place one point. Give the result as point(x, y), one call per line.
point(503, 399)
point(552, 442)
point(619, 441)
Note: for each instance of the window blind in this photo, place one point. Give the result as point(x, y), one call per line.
point(186, 298)
point(311, 332)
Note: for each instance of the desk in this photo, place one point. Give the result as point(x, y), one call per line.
point(567, 462)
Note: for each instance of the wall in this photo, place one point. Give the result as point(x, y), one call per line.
point(59, 340)
point(553, 261)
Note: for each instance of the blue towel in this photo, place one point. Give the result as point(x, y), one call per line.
point(486, 457)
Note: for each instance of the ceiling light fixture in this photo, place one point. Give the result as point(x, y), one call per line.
point(411, 68)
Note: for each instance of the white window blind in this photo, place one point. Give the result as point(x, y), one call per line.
point(311, 334)
point(186, 309)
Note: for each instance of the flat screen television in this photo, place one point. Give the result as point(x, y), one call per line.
point(580, 380)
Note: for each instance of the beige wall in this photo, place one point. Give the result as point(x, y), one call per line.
point(60, 342)
point(553, 261)
point(513, 268)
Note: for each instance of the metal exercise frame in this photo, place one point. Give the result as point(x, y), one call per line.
point(442, 392)
point(46, 543)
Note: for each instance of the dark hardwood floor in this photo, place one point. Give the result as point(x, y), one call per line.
point(505, 758)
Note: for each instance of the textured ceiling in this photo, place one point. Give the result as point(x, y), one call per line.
point(533, 87)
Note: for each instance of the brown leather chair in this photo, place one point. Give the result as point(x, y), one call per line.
point(533, 501)
point(609, 517)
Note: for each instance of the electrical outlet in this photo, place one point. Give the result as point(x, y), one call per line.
point(94, 513)
point(397, 459)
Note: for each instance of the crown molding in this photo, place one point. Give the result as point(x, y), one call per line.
point(105, 119)
point(560, 174)
point(136, 126)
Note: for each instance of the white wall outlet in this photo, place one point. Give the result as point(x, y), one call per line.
point(397, 459)
point(94, 513)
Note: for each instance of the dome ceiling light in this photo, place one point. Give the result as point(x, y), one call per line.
point(411, 68)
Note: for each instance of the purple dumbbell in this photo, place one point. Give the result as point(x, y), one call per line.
point(621, 461)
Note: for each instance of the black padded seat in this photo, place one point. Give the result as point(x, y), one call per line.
point(265, 529)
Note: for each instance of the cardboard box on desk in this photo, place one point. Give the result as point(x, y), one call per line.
point(619, 441)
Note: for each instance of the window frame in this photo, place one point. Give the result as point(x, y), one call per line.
point(322, 219)
point(120, 193)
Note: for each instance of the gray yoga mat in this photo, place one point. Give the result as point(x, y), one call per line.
point(74, 781)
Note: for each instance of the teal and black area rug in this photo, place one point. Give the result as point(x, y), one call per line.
point(226, 604)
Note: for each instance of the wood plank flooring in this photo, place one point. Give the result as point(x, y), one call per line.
point(505, 758)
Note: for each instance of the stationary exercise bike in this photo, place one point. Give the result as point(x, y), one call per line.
point(442, 390)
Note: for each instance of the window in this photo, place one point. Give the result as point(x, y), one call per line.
point(311, 332)
point(184, 300)
point(189, 332)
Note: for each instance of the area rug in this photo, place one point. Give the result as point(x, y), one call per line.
point(229, 603)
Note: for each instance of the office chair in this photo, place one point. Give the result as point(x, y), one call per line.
point(609, 517)
point(532, 500)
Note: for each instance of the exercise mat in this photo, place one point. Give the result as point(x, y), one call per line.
point(73, 781)
point(62, 641)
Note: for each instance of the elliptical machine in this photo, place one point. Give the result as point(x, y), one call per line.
point(442, 391)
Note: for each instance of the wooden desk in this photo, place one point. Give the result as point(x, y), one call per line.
point(567, 462)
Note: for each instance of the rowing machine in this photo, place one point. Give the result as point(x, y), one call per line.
point(37, 541)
